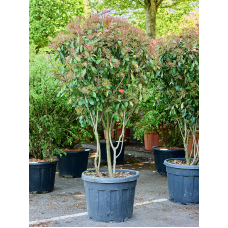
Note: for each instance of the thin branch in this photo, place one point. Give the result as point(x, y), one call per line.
point(139, 2)
point(158, 3)
point(170, 6)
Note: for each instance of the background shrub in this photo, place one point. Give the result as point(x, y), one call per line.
point(50, 117)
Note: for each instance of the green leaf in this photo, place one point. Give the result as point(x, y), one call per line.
point(91, 101)
point(81, 102)
point(174, 71)
point(140, 86)
point(94, 70)
point(117, 106)
point(98, 61)
point(94, 94)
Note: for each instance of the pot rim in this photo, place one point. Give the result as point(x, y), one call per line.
point(164, 150)
point(111, 180)
point(86, 149)
point(176, 166)
point(43, 163)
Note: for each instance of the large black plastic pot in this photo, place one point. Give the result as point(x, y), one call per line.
point(161, 155)
point(183, 182)
point(110, 199)
point(73, 164)
point(42, 176)
point(120, 159)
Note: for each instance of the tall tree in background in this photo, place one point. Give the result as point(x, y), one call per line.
point(48, 17)
point(151, 10)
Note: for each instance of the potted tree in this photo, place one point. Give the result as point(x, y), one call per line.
point(106, 65)
point(178, 57)
point(48, 116)
point(156, 117)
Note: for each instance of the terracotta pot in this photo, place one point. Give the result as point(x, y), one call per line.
point(112, 133)
point(77, 138)
point(151, 139)
point(190, 142)
point(92, 139)
point(126, 134)
point(119, 130)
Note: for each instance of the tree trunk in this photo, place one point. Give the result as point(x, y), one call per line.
point(151, 11)
point(109, 163)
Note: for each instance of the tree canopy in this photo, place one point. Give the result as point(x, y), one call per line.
point(48, 17)
point(157, 17)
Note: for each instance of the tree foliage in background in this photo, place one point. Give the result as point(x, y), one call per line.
point(178, 73)
point(48, 17)
point(168, 22)
point(156, 116)
point(153, 15)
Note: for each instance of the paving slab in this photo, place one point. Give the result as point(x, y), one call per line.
point(68, 198)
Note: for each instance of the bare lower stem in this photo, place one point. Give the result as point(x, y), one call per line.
point(98, 154)
point(108, 134)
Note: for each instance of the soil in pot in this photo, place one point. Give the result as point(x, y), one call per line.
point(41, 160)
point(105, 174)
point(161, 153)
point(41, 176)
point(110, 199)
point(73, 163)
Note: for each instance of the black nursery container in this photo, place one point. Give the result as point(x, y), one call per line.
point(73, 164)
point(161, 155)
point(42, 176)
point(110, 199)
point(183, 182)
point(120, 159)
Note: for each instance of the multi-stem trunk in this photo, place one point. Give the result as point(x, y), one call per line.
point(109, 163)
point(151, 11)
point(98, 154)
